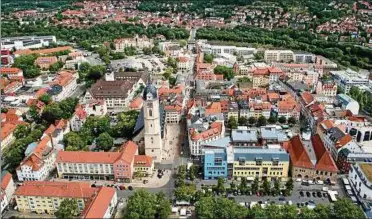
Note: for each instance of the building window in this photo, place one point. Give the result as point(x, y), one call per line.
point(150, 112)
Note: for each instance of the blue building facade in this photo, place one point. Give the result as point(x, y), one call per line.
point(215, 163)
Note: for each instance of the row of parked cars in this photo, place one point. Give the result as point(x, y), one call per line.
point(314, 194)
point(118, 187)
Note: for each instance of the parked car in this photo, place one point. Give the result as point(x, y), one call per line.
point(302, 193)
point(130, 188)
point(319, 194)
point(314, 194)
point(145, 181)
point(308, 194)
point(281, 198)
point(122, 187)
point(305, 183)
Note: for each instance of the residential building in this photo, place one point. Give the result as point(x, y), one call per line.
point(345, 79)
point(263, 163)
point(279, 56)
point(246, 137)
point(304, 57)
point(137, 42)
point(11, 72)
point(27, 42)
point(39, 162)
point(78, 118)
point(348, 103)
point(118, 166)
point(117, 94)
point(360, 177)
point(220, 49)
point(335, 140)
point(44, 62)
point(270, 135)
point(311, 160)
point(7, 189)
point(7, 136)
point(143, 164)
point(152, 124)
point(183, 64)
point(45, 198)
point(326, 88)
point(63, 86)
point(201, 135)
point(56, 132)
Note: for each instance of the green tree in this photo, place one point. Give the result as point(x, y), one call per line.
point(344, 209)
point(258, 212)
point(220, 188)
point(276, 190)
point(141, 205)
point(183, 43)
point(74, 142)
point(228, 73)
point(242, 120)
point(322, 211)
point(266, 187)
point(261, 121)
point(233, 124)
point(45, 98)
point(255, 186)
point(282, 119)
point(185, 192)
point(252, 120)
point(105, 141)
point(208, 58)
point(273, 211)
point(289, 186)
point(290, 212)
point(55, 67)
point(26, 63)
point(193, 171)
point(292, 120)
point(243, 187)
point(307, 213)
point(22, 131)
point(205, 207)
point(68, 208)
point(163, 206)
point(272, 119)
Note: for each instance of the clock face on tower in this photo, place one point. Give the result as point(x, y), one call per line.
point(149, 105)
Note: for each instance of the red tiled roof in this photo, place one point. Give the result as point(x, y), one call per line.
point(128, 150)
point(142, 161)
point(5, 180)
point(100, 203)
point(56, 189)
point(10, 70)
point(307, 97)
point(324, 159)
point(298, 154)
point(42, 51)
point(7, 129)
point(126, 153)
point(215, 129)
point(136, 103)
point(214, 108)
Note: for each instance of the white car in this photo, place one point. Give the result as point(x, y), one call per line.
point(319, 182)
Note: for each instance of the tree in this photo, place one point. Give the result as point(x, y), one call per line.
point(252, 120)
point(255, 185)
point(220, 188)
point(266, 186)
point(163, 206)
point(22, 131)
point(228, 73)
point(289, 186)
point(68, 209)
point(344, 209)
point(74, 142)
point(307, 213)
point(261, 121)
point(242, 120)
point(105, 141)
point(141, 205)
point(290, 212)
point(51, 113)
point(292, 120)
point(183, 43)
point(322, 211)
point(243, 185)
point(282, 119)
point(208, 58)
point(185, 192)
point(26, 63)
point(55, 67)
point(272, 119)
point(45, 98)
point(276, 190)
point(192, 172)
point(204, 208)
point(232, 122)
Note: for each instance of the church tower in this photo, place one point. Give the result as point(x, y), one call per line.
point(151, 110)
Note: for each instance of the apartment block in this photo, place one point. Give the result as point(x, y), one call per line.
point(279, 56)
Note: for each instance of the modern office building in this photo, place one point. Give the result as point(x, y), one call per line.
point(345, 79)
point(27, 42)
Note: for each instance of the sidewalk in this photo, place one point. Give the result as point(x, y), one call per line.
point(153, 181)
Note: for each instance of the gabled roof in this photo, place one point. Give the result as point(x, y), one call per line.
point(128, 150)
point(142, 161)
point(298, 153)
point(100, 203)
point(324, 159)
